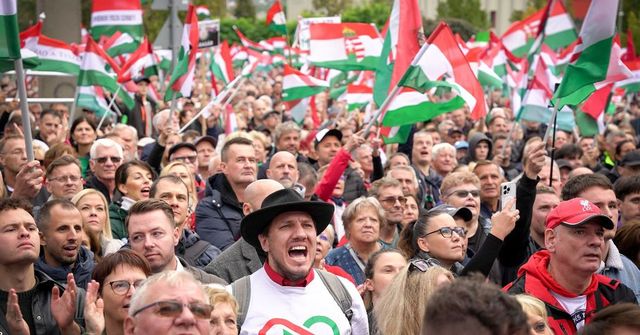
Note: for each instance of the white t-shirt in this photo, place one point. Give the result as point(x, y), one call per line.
point(576, 307)
point(276, 309)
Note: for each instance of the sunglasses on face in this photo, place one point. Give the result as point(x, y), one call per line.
point(114, 159)
point(173, 309)
point(465, 193)
point(390, 201)
point(185, 159)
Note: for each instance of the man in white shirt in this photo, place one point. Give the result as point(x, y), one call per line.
point(287, 295)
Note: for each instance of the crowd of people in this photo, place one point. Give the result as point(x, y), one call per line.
point(307, 228)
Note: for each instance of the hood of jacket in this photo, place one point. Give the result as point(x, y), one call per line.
point(473, 143)
point(81, 270)
point(218, 186)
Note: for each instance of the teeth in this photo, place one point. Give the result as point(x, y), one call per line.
point(299, 248)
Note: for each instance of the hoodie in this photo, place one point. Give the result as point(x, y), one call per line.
point(534, 279)
point(82, 269)
point(473, 143)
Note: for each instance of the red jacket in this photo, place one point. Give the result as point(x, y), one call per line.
point(331, 177)
point(535, 280)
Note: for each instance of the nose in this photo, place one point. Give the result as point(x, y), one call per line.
point(186, 318)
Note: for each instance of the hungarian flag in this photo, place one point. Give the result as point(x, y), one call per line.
point(90, 98)
point(298, 109)
point(535, 104)
point(276, 19)
point(345, 46)
point(120, 43)
point(488, 77)
point(358, 96)
point(140, 63)
point(297, 85)
point(203, 13)
point(440, 62)
point(9, 34)
point(401, 44)
point(251, 44)
point(559, 30)
point(54, 55)
point(221, 63)
point(93, 71)
point(596, 61)
point(182, 76)
point(110, 16)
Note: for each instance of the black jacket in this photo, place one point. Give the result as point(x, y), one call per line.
point(96, 184)
point(218, 215)
point(41, 307)
point(135, 117)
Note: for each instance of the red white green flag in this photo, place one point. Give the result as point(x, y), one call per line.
point(203, 13)
point(120, 43)
point(401, 44)
point(182, 76)
point(297, 85)
point(596, 60)
point(276, 19)
point(110, 16)
point(251, 44)
point(345, 46)
point(9, 40)
point(221, 63)
point(358, 96)
point(440, 62)
point(140, 63)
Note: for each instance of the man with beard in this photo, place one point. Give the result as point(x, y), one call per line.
point(60, 224)
point(285, 227)
point(283, 168)
point(30, 300)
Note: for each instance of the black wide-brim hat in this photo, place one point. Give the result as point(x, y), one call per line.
point(283, 201)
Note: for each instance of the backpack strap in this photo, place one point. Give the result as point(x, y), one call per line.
point(192, 253)
point(338, 292)
point(241, 290)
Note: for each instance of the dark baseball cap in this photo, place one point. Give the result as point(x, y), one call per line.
point(632, 158)
point(463, 213)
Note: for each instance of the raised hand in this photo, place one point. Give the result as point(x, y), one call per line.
point(535, 160)
point(16, 323)
point(503, 222)
point(63, 307)
point(93, 310)
point(28, 181)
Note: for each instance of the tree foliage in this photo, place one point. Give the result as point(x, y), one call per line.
point(331, 7)
point(375, 12)
point(532, 7)
point(245, 9)
point(466, 10)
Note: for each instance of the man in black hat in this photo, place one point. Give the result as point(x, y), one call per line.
point(299, 297)
point(142, 113)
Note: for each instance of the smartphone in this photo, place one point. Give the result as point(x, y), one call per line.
point(507, 192)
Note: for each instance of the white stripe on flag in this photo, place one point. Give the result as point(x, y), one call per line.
point(116, 18)
point(8, 7)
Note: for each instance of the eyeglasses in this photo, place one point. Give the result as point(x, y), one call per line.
point(172, 309)
point(121, 287)
point(191, 159)
point(447, 232)
point(114, 159)
point(392, 201)
point(64, 179)
point(465, 193)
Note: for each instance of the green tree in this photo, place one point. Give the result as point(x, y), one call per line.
point(245, 9)
point(532, 7)
point(634, 26)
point(467, 10)
point(375, 12)
point(331, 7)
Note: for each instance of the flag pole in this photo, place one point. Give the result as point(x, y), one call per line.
point(174, 102)
point(508, 142)
point(113, 99)
point(24, 108)
point(74, 104)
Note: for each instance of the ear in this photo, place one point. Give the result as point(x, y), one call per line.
point(92, 164)
point(423, 244)
point(48, 186)
point(264, 242)
point(268, 173)
point(129, 326)
point(177, 233)
point(550, 239)
point(222, 167)
point(368, 285)
point(43, 239)
point(246, 208)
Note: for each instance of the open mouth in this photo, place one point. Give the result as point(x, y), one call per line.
point(70, 249)
point(145, 191)
point(298, 252)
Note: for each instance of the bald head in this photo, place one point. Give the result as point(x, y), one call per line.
point(283, 168)
point(579, 171)
point(255, 193)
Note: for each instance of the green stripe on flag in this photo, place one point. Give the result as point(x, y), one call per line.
point(586, 124)
point(301, 92)
point(9, 36)
point(424, 111)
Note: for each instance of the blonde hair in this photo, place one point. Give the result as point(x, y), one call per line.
point(219, 295)
point(456, 179)
point(106, 226)
point(401, 307)
point(532, 305)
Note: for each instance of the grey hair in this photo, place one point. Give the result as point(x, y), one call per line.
point(175, 279)
point(358, 204)
point(435, 151)
point(407, 169)
point(161, 114)
point(286, 127)
point(107, 143)
point(125, 127)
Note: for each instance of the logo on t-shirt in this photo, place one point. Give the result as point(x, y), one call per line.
point(579, 316)
point(314, 325)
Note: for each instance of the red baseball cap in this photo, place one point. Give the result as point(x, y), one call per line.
point(575, 212)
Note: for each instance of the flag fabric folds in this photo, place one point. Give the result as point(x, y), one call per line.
point(182, 76)
point(276, 19)
point(297, 85)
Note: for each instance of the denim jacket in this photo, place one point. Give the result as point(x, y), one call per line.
point(621, 268)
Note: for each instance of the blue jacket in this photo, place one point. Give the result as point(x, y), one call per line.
point(621, 268)
point(218, 215)
point(82, 269)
